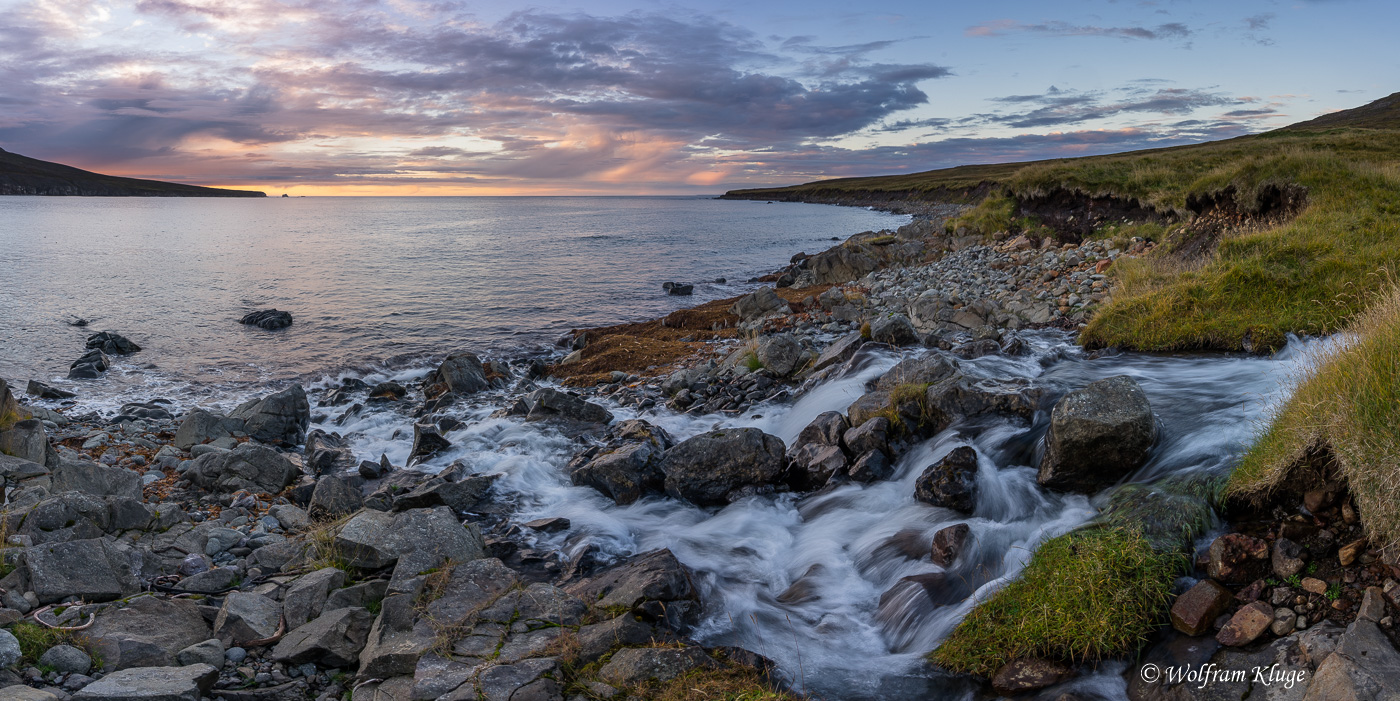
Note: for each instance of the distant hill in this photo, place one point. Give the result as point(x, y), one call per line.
point(21, 175)
point(1381, 114)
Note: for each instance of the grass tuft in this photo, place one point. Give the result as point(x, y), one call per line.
point(1087, 595)
point(35, 640)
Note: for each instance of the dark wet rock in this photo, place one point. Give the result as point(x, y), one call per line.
point(270, 319)
point(46, 391)
point(827, 429)
point(250, 467)
point(872, 466)
point(656, 577)
point(549, 525)
point(462, 496)
point(334, 639)
point(200, 426)
point(1028, 674)
point(461, 373)
point(190, 683)
point(546, 403)
point(375, 469)
point(872, 435)
point(893, 329)
point(810, 466)
point(1195, 611)
point(332, 498)
point(427, 442)
point(90, 366)
point(761, 303)
point(111, 343)
point(948, 544)
point(96, 569)
point(327, 454)
point(922, 370)
point(628, 464)
point(964, 396)
point(676, 288)
point(841, 350)
point(1288, 558)
point(1236, 558)
point(157, 410)
point(388, 391)
point(977, 349)
point(712, 468)
point(277, 419)
point(951, 482)
point(1098, 435)
point(635, 665)
point(147, 632)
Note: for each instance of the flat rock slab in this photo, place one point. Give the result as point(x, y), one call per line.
point(148, 632)
point(152, 684)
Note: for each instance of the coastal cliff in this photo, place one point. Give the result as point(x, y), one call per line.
point(21, 175)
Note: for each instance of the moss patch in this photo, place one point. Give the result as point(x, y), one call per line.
point(1088, 595)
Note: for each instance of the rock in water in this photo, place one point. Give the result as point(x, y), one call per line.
point(45, 391)
point(712, 469)
point(90, 366)
point(546, 403)
point(627, 466)
point(460, 373)
point(111, 343)
point(1097, 436)
point(676, 288)
point(951, 482)
point(277, 419)
point(270, 319)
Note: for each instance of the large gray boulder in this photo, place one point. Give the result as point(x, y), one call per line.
point(327, 454)
point(251, 467)
point(98, 480)
point(1098, 435)
point(332, 498)
point(306, 597)
point(277, 419)
point(655, 576)
point(246, 617)
point(628, 465)
point(73, 515)
point(376, 539)
point(760, 303)
point(96, 569)
point(147, 632)
point(26, 440)
point(200, 426)
point(334, 639)
point(893, 329)
point(188, 683)
point(951, 482)
point(461, 373)
point(547, 403)
point(712, 469)
point(780, 353)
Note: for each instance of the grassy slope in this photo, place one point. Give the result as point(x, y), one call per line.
point(1308, 275)
point(22, 171)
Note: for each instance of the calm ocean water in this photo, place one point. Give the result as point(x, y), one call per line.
point(369, 280)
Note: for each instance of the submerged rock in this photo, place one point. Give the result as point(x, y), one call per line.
point(112, 343)
point(270, 319)
point(1098, 435)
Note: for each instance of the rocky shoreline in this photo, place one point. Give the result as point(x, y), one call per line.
point(177, 552)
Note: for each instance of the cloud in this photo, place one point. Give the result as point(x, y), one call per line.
point(1056, 108)
point(1004, 27)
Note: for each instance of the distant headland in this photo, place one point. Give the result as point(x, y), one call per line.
point(21, 175)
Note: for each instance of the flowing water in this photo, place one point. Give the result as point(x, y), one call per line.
point(848, 630)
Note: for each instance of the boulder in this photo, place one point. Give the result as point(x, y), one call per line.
point(810, 466)
point(246, 617)
point(761, 303)
point(66, 659)
point(270, 319)
point(461, 373)
point(921, 370)
point(154, 411)
point(547, 403)
point(872, 466)
point(147, 632)
point(277, 419)
point(628, 464)
point(43, 390)
point(332, 498)
point(10, 652)
point(374, 539)
point(655, 576)
point(251, 467)
point(306, 597)
point(893, 329)
point(839, 351)
point(189, 683)
point(96, 479)
point(210, 652)
point(827, 429)
point(200, 426)
point(327, 454)
point(1235, 558)
point(1195, 611)
point(10, 410)
point(599, 639)
point(948, 544)
point(90, 366)
point(111, 343)
point(26, 440)
point(96, 569)
point(1028, 674)
point(963, 396)
point(1246, 625)
point(1365, 665)
point(1098, 435)
point(872, 435)
point(950, 483)
point(634, 665)
point(713, 468)
point(334, 639)
point(1287, 559)
point(427, 442)
point(461, 496)
point(780, 353)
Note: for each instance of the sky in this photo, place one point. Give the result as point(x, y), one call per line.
point(622, 97)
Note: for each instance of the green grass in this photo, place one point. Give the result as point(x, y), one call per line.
point(1088, 595)
point(752, 362)
point(1349, 409)
point(35, 640)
